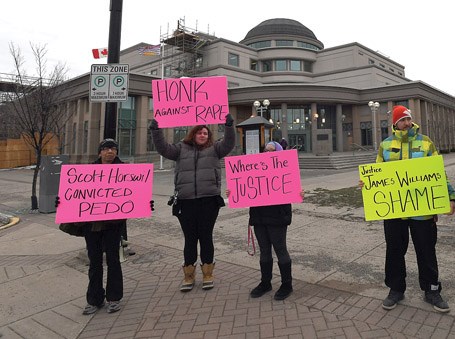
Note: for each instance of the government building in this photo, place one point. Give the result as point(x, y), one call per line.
point(300, 88)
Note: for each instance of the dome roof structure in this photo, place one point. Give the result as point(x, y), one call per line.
point(283, 28)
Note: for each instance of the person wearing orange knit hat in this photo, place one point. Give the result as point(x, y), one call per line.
point(423, 228)
point(399, 113)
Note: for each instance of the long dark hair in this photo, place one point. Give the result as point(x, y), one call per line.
point(189, 139)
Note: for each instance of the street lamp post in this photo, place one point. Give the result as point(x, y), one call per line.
point(374, 106)
point(261, 107)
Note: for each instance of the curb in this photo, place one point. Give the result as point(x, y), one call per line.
point(12, 221)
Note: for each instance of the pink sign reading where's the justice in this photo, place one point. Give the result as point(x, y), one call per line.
point(190, 101)
point(268, 178)
point(104, 192)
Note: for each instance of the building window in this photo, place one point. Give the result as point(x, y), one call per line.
point(233, 84)
point(127, 127)
point(167, 71)
point(151, 104)
point(180, 133)
point(85, 138)
point(296, 65)
point(254, 65)
point(281, 43)
point(154, 72)
point(261, 44)
point(280, 65)
point(384, 129)
point(233, 59)
point(308, 66)
point(150, 144)
point(267, 65)
point(307, 45)
point(366, 133)
point(73, 140)
point(182, 66)
point(198, 61)
point(370, 61)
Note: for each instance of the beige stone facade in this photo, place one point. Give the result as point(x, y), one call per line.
point(309, 88)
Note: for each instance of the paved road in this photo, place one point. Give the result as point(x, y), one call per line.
point(338, 269)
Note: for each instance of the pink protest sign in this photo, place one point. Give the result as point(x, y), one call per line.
point(269, 178)
point(190, 101)
point(104, 192)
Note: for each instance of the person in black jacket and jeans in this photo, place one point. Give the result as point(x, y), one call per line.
point(197, 191)
point(270, 227)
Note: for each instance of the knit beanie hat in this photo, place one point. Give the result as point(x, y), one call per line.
point(107, 143)
point(400, 112)
point(276, 145)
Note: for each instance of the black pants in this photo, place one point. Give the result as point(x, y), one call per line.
point(197, 218)
point(109, 241)
point(272, 236)
point(424, 237)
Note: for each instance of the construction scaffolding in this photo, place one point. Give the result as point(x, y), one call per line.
point(183, 51)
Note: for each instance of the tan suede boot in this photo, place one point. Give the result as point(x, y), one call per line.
point(207, 271)
point(188, 282)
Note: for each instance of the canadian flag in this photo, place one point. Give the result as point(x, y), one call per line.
point(99, 53)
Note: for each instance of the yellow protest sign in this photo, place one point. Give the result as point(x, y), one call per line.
point(405, 188)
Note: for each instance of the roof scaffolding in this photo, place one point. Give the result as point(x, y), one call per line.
point(183, 53)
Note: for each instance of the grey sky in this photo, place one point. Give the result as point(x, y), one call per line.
point(417, 35)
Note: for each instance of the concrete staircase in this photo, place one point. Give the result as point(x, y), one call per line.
point(337, 160)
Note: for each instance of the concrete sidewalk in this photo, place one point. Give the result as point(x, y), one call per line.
point(338, 262)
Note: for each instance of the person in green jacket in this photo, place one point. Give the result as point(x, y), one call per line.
point(407, 143)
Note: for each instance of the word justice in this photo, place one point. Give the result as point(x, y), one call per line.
point(254, 186)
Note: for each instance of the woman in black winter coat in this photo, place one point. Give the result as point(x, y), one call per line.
point(270, 227)
point(197, 191)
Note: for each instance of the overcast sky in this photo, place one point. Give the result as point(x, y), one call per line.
point(417, 35)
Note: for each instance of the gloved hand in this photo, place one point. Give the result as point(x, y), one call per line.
point(57, 201)
point(154, 125)
point(229, 120)
point(152, 205)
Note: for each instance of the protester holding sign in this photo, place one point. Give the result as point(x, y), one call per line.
point(407, 143)
point(270, 227)
point(197, 199)
point(104, 236)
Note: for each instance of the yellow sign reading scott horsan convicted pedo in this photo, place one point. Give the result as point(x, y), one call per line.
point(405, 188)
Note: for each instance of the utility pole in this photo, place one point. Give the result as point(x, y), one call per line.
point(113, 57)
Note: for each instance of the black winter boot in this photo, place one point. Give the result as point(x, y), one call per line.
point(286, 282)
point(266, 277)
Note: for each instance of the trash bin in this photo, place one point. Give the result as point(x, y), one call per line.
point(49, 181)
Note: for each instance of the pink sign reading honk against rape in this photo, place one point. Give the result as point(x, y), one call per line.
point(268, 178)
point(190, 101)
point(104, 192)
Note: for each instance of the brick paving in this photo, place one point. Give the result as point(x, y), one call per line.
point(43, 288)
point(153, 307)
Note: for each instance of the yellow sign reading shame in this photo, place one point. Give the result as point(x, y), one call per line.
point(405, 188)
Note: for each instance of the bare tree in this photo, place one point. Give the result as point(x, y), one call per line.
point(35, 106)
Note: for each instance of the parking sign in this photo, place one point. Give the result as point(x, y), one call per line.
point(109, 83)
